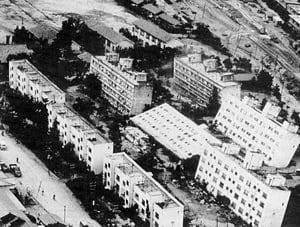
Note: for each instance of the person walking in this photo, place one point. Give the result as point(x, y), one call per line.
point(43, 192)
point(17, 160)
point(53, 196)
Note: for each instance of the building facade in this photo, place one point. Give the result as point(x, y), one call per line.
point(27, 79)
point(152, 35)
point(257, 195)
point(128, 91)
point(196, 78)
point(259, 129)
point(138, 189)
point(89, 145)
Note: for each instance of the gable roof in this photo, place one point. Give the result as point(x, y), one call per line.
point(6, 50)
point(44, 31)
point(169, 19)
point(153, 30)
point(106, 32)
point(152, 9)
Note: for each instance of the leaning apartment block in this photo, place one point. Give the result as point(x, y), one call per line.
point(257, 194)
point(259, 128)
point(127, 90)
point(137, 188)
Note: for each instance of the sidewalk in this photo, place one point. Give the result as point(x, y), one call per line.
point(36, 179)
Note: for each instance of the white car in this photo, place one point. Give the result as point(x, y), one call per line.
point(3, 146)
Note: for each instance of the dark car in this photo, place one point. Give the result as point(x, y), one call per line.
point(4, 167)
point(15, 170)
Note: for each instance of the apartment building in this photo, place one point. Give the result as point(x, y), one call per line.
point(256, 193)
point(112, 40)
point(171, 128)
point(196, 78)
point(89, 145)
point(138, 189)
point(259, 129)
point(27, 79)
point(128, 91)
point(152, 35)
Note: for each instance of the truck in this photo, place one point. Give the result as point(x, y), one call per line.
point(15, 170)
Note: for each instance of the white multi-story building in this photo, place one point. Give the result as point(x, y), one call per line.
point(89, 145)
point(127, 90)
point(196, 78)
point(138, 189)
point(27, 79)
point(251, 127)
point(171, 128)
point(256, 195)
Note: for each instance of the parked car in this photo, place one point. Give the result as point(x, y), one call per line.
point(3, 146)
point(4, 167)
point(15, 170)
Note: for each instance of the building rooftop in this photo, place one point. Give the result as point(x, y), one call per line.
point(34, 74)
point(126, 73)
point(137, 2)
point(295, 17)
point(209, 72)
point(80, 123)
point(153, 30)
point(149, 184)
point(44, 31)
point(169, 19)
point(106, 32)
point(152, 9)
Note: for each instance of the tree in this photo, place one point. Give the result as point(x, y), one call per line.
point(213, 104)
point(92, 86)
point(276, 92)
point(264, 81)
point(227, 63)
point(243, 63)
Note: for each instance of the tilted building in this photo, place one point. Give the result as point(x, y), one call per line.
point(128, 91)
point(259, 129)
point(89, 145)
point(138, 189)
point(256, 193)
point(27, 79)
point(196, 78)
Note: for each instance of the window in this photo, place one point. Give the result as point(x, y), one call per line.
point(233, 205)
point(241, 178)
point(261, 204)
point(89, 158)
point(215, 179)
point(264, 195)
point(240, 210)
point(259, 214)
point(236, 196)
point(248, 183)
point(243, 201)
point(226, 167)
point(136, 196)
point(217, 171)
point(221, 185)
point(219, 162)
point(156, 224)
point(156, 215)
point(118, 178)
point(224, 176)
point(246, 192)
point(143, 202)
point(238, 187)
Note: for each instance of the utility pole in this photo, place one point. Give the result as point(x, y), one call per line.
point(204, 7)
point(39, 189)
point(65, 209)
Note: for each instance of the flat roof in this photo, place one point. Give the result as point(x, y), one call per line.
point(153, 30)
point(152, 185)
point(44, 31)
point(214, 76)
point(82, 123)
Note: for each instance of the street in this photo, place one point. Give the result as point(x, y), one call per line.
point(36, 179)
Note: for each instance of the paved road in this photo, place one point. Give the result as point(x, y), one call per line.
point(35, 174)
